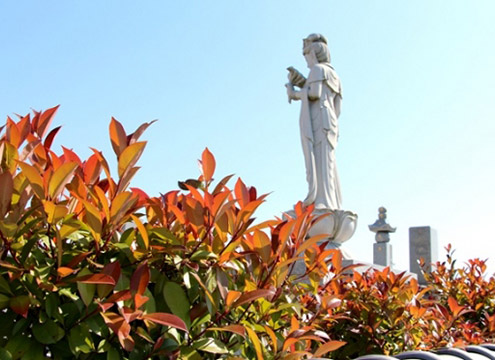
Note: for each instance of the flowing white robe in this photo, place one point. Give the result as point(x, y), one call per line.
point(319, 134)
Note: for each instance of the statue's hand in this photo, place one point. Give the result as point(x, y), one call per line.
point(290, 92)
point(295, 77)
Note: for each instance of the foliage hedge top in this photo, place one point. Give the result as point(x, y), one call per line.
point(93, 269)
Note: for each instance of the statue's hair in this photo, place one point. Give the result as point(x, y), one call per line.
point(318, 43)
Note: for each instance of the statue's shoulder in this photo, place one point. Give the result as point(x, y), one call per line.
point(318, 72)
point(325, 72)
point(321, 72)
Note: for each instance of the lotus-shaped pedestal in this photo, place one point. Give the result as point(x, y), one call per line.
point(340, 225)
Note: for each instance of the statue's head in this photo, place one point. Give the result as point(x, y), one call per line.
point(318, 44)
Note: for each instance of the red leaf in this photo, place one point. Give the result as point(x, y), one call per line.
point(140, 279)
point(96, 279)
point(118, 137)
point(113, 270)
point(241, 193)
point(51, 135)
point(119, 296)
point(77, 259)
point(208, 164)
point(166, 319)
point(44, 120)
point(250, 296)
point(70, 155)
point(20, 305)
point(139, 131)
point(6, 189)
point(141, 195)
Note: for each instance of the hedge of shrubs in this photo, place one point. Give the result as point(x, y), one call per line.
point(91, 268)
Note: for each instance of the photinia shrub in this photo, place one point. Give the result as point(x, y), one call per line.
point(93, 269)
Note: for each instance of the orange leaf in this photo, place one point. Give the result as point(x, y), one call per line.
point(6, 189)
point(64, 271)
point(256, 342)
point(241, 193)
point(13, 134)
point(54, 212)
point(60, 178)
point(118, 137)
point(140, 300)
point(44, 121)
point(140, 279)
point(142, 231)
point(92, 218)
point(289, 342)
point(262, 245)
point(166, 319)
point(130, 156)
point(34, 178)
point(120, 205)
point(294, 324)
point(232, 296)
point(102, 200)
point(208, 164)
point(329, 346)
point(92, 169)
point(273, 337)
point(310, 242)
point(70, 155)
point(454, 306)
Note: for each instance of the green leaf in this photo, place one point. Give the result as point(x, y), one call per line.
point(113, 354)
point(48, 332)
point(177, 301)
point(211, 345)
point(4, 301)
point(203, 254)
point(5, 355)
point(4, 286)
point(80, 340)
point(20, 326)
point(51, 304)
point(17, 346)
point(35, 352)
point(87, 291)
point(69, 294)
point(189, 353)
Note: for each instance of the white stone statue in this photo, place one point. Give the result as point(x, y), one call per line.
point(321, 96)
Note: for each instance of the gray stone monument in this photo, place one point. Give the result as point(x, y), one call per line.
point(382, 249)
point(320, 95)
point(422, 244)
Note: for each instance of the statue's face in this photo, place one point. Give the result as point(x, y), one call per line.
point(311, 58)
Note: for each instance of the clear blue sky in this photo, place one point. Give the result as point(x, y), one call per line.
point(417, 125)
